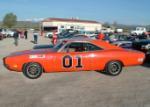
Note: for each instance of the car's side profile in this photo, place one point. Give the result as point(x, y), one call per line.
point(73, 55)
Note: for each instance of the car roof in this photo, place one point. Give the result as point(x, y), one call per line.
point(100, 43)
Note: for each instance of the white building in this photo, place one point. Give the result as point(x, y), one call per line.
point(60, 24)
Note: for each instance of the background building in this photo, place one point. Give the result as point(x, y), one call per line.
point(60, 24)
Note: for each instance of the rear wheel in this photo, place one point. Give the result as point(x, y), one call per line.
point(113, 68)
point(32, 70)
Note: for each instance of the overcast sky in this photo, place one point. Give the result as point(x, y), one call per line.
point(121, 11)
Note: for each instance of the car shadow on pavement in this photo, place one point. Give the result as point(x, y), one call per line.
point(103, 72)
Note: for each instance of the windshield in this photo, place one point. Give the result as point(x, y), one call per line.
point(58, 46)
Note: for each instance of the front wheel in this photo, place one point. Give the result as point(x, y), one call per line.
point(32, 70)
point(113, 68)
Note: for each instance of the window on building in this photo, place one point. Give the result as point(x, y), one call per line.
point(50, 29)
point(62, 26)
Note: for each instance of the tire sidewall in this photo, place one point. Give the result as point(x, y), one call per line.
point(108, 69)
point(37, 65)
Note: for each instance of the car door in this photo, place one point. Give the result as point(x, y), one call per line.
point(73, 58)
point(96, 55)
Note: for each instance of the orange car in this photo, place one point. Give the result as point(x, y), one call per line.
point(73, 55)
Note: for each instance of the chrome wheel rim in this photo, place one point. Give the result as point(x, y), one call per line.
point(114, 68)
point(33, 70)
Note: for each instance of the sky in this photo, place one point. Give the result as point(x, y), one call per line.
point(120, 11)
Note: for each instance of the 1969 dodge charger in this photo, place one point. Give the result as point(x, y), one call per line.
point(73, 55)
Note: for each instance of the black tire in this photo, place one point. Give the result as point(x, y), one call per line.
point(32, 70)
point(113, 68)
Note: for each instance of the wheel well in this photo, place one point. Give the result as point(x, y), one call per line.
point(120, 62)
point(117, 61)
point(24, 65)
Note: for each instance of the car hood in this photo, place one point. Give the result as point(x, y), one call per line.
point(33, 51)
point(46, 46)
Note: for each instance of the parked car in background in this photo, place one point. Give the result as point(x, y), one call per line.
point(117, 37)
point(142, 45)
point(9, 33)
point(78, 36)
point(59, 34)
point(1, 36)
point(2, 33)
point(45, 46)
point(67, 35)
point(123, 44)
point(89, 34)
point(93, 36)
point(49, 35)
point(107, 30)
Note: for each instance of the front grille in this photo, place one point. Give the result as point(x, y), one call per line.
point(4, 63)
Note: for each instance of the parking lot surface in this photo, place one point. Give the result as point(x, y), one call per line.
point(79, 89)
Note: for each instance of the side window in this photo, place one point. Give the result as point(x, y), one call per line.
point(81, 47)
point(92, 47)
point(74, 47)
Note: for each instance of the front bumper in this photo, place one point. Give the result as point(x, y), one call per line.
point(6, 65)
point(4, 62)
